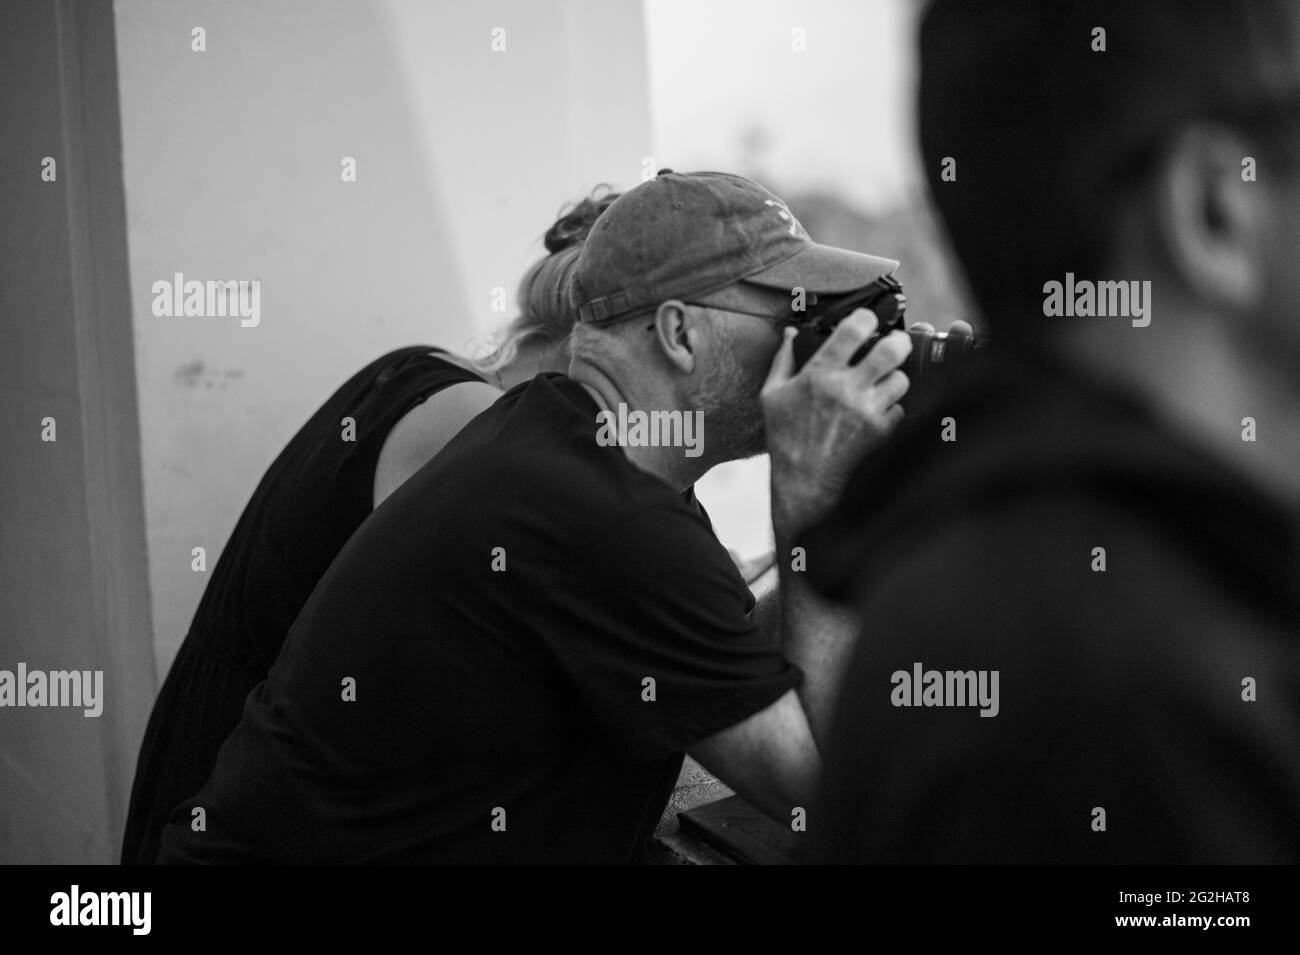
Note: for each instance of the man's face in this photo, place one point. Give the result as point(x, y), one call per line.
point(739, 358)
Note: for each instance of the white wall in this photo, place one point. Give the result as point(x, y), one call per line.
point(232, 167)
point(72, 544)
point(831, 107)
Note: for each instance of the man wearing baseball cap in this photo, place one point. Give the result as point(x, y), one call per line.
point(511, 657)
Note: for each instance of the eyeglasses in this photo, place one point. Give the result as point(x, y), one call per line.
point(781, 321)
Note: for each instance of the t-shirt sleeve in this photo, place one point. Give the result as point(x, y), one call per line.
point(660, 644)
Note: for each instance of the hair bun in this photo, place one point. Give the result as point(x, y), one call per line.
point(575, 222)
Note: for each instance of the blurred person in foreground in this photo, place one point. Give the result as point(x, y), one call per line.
point(1108, 525)
point(511, 657)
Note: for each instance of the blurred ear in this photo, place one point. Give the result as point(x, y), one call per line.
point(677, 332)
point(1214, 225)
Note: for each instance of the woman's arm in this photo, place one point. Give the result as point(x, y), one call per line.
point(425, 430)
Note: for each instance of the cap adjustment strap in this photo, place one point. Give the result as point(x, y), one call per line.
point(607, 306)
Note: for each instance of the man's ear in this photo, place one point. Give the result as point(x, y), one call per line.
point(1213, 223)
point(677, 334)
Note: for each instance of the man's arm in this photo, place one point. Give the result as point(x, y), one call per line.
point(425, 430)
point(820, 422)
point(772, 758)
point(815, 634)
point(769, 758)
point(818, 637)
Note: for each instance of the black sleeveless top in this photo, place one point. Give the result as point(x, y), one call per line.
point(307, 505)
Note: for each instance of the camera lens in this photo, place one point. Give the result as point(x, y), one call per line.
point(935, 358)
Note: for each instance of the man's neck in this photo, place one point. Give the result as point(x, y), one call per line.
point(668, 463)
point(1199, 379)
point(527, 365)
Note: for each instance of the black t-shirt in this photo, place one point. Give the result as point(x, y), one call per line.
point(536, 630)
point(311, 499)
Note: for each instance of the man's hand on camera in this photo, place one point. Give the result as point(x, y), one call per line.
point(823, 419)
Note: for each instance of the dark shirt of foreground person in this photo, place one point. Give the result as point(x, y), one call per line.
point(1163, 690)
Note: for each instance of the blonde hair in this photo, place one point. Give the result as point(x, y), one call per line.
point(546, 315)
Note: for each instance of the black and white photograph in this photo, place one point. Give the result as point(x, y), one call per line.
point(855, 435)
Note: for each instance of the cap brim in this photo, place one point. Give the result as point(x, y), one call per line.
point(824, 269)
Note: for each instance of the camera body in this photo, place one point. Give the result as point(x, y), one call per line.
point(934, 358)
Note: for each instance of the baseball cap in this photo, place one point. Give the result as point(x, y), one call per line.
point(683, 235)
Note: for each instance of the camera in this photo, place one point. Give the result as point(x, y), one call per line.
point(935, 356)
